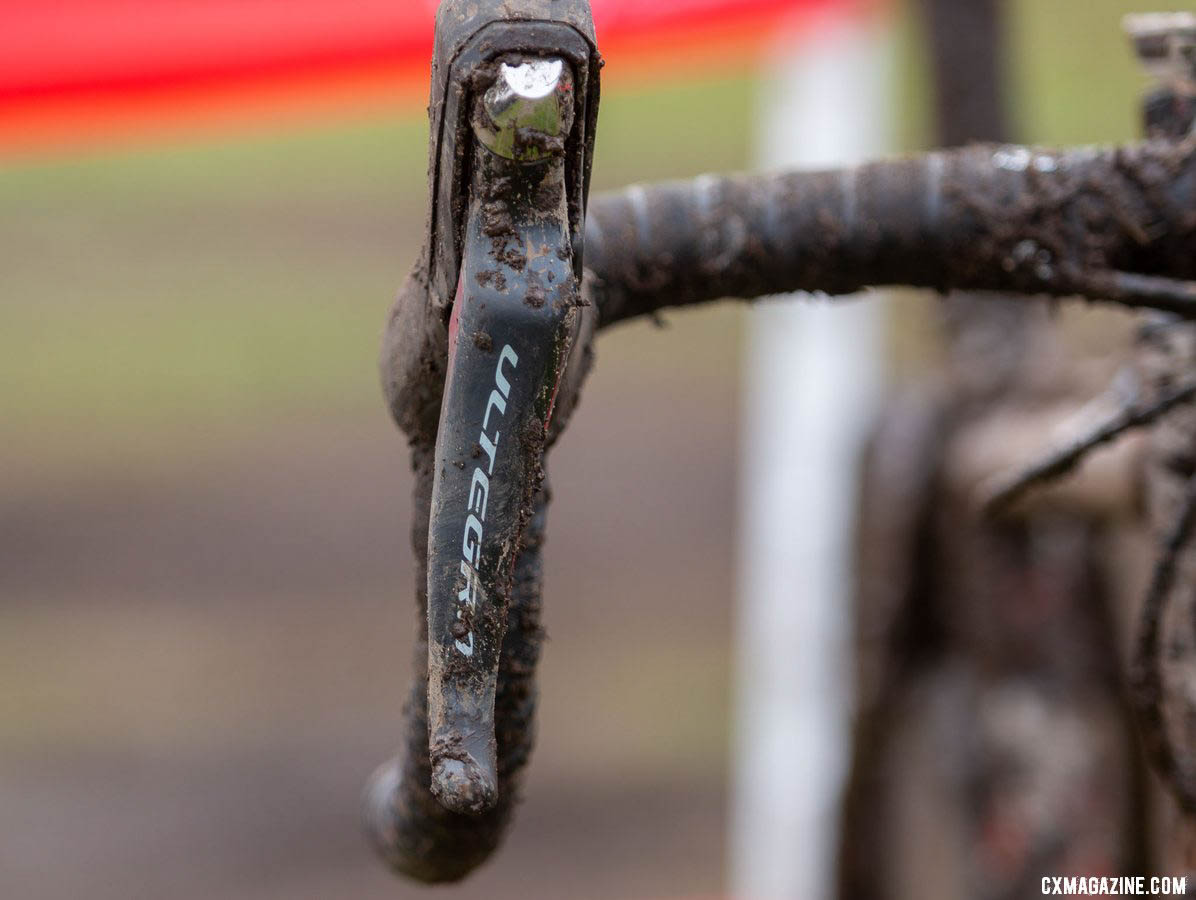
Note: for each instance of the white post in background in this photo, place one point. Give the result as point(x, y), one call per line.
point(813, 373)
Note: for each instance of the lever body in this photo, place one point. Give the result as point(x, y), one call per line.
point(486, 337)
point(511, 330)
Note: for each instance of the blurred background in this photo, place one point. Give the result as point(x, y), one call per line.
point(205, 573)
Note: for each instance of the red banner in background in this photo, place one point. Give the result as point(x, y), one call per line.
point(79, 73)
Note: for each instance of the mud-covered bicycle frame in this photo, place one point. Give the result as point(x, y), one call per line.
point(491, 336)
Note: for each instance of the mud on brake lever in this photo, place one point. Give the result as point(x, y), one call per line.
point(479, 343)
point(513, 322)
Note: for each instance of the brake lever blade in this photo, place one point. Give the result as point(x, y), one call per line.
point(417, 831)
point(513, 322)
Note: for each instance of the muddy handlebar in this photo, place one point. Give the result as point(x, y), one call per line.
point(1112, 224)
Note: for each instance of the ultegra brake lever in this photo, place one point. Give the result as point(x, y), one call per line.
point(514, 318)
point(483, 332)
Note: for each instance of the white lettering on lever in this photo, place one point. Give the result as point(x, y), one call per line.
point(479, 495)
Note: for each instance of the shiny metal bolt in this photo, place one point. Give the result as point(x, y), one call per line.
point(528, 111)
